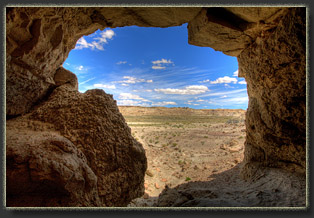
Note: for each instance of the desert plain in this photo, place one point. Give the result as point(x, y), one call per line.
point(185, 145)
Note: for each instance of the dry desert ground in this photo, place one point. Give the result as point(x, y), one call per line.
point(185, 145)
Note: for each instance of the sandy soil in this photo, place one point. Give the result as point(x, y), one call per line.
point(185, 149)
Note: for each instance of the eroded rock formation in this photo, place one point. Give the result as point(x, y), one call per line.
point(65, 148)
point(274, 68)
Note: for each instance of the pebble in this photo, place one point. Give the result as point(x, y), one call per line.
point(145, 196)
point(157, 186)
point(149, 173)
point(164, 180)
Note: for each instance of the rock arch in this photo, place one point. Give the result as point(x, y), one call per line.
point(91, 150)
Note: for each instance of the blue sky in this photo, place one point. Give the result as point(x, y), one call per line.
point(157, 67)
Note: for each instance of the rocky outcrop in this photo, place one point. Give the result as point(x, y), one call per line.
point(231, 30)
point(74, 149)
point(274, 68)
point(46, 169)
point(269, 43)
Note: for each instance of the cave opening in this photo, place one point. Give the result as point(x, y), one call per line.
point(185, 104)
point(99, 162)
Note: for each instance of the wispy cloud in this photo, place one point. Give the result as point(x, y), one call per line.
point(81, 83)
point(144, 90)
point(128, 102)
point(188, 90)
point(164, 103)
point(160, 64)
point(133, 80)
point(106, 86)
point(236, 73)
point(121, 62)
point(225, 79)
point(162, 61)
point(130, 96)
point(158, 67)
point(98, 43)
point(229, 93)
point(205, 81)
point(242, 82)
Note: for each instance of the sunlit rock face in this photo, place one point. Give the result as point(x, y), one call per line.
point(98, 155)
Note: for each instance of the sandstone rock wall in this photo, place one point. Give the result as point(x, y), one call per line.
point(92, 142)
point(274, 68)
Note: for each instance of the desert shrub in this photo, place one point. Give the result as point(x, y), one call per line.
point(232, 121)
point(187, 179)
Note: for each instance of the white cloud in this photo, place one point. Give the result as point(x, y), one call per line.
point(132, 103)
point(228, 86)
point(158, 67)
point(224, 96)
point(98, 44)
point(188, 90)
point(160, 64)
point(205, 81)
point(225, 79)
point(236, 73)
point(104, 36)
point(105, 86)
point(130, 96)
point(133, 80)
point(80, 67)
point(82, 43)
point(200, 100)
point(242, 82)
point(162, 61)
point(164, 103)
point(226, 92)
point(127, 102)
point(237, 100)
point(190, 103)
point(121, 62)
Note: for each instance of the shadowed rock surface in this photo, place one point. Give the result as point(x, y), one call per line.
point(268, 41)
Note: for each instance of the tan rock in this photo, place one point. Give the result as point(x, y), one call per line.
point(92, 120)
point(45, 168)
